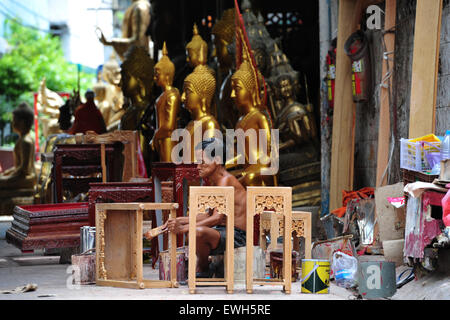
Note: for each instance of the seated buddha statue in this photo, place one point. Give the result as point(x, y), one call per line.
point(295, 120)
point(167, 107)
point(23, 174)
point(198, 93)
point(246, 95)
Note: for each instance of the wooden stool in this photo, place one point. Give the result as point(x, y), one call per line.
point(273, 224)
point(278, 199)
point(200, 200)
point(119, 235)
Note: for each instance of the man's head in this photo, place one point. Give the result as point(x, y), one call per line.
point(211, 152)
point(89, 95)
point(23, 117)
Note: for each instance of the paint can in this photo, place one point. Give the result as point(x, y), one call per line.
point(376, 279)
point(315, 276)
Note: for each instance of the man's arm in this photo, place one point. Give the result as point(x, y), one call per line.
point(181, 224)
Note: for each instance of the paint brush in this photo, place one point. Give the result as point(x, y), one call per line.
point(155, 232)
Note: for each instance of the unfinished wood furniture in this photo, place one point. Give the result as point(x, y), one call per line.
point(129, 139)
point(279, 201)
point(273, 224)
point(47, 226)
point(178, 174)
point(119, 234)
point(77, 165)
point(202, 199)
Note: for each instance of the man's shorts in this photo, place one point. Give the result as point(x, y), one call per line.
point(239, 239)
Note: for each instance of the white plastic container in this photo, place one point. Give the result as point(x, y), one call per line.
point(445, 153)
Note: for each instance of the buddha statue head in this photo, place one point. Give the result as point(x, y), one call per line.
point(244, 85)
point(197, 50)
point(198, 90)
point(137, 75)
point(164, 70)
point(224, 34)
point(22, 119)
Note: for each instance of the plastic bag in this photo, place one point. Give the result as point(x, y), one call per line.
point(446, 209)
point(345, 268)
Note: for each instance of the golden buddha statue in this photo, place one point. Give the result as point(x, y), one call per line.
point(198, 93)
point(167, 107)
point(48, 104)
point(224, 34)
point(134, 29)
point(197, 49)
point(246, 94)
point(136, 83)
point(23, 174)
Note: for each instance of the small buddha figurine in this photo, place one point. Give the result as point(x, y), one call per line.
point(245, 93)
point(197, 50)
point(167, 107)
point(22, 175)
point(198, 94)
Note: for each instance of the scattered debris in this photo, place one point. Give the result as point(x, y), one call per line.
point(27, 288)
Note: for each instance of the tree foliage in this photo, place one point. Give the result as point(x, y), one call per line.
point(34, 55)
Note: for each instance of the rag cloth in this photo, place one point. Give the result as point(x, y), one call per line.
point(29, 287)
point(364, 193)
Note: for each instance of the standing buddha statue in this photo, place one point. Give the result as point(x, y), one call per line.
point(224, 34)
point(198, 93)
point(167, 107)
point(134, 28)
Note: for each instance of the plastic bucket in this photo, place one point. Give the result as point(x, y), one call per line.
point(377, 279)
point(315, 276)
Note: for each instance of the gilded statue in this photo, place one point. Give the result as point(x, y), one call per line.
point(48, 104)
point(136, 83)
point(134, 29)
point(167, 107)
point(224, 34)
point(247, 97)
point(295, 120)
point(109, 95)
point(198, 93)
point(23, 174)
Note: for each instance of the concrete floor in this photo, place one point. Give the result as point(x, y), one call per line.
point(54, 283)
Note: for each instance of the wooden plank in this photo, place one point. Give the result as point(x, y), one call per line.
point(385, 124)
point(343, 144)
point(425, 68)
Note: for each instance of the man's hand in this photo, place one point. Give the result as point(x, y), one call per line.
point(174, 225)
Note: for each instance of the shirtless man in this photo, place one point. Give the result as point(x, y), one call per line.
point(211, 230)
